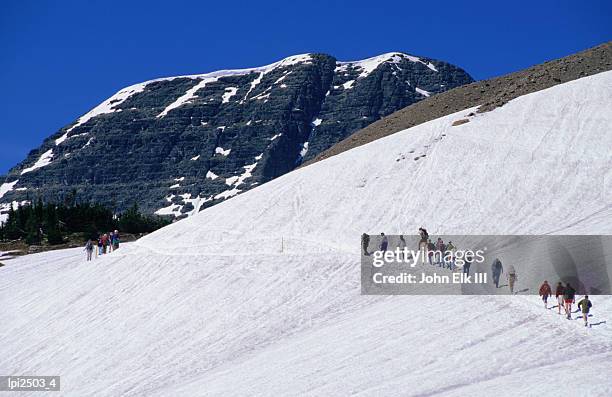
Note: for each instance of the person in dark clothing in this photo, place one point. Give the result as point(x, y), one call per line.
point(104, 243)
point(116, 240)
point(365, 243)
point(384, 243)
point(466, 265)
point(585, 305)
point(424, 235)
point(431, 248)
point(559, 291)
point(569, 296)
point(545, 292)
point(440, 248)
point(497, 269)
point(89, 248)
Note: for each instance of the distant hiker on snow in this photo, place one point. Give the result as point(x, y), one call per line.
point(545, 292)
point(365, 242)
point(431, 248)
point(116, 240)
point(89, 247)
point(497, 269)
point(466, 264)
point(512, 277)
point(559, 291)
point(424, 237)
point(569, 295)
point(104, 243)
point(111, 237)
point(402, 242)
point(384, 243)
point(450, 251)
point(440, 248)
point(402, 245)
point(585, 305)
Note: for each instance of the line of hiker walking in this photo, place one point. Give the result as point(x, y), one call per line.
point(443, 255)
point(105, 244)
point(566, 296)
point(439, 254)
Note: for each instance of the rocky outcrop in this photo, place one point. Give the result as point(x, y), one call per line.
point(177, 145)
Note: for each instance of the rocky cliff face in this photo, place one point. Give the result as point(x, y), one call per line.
point(177, 145)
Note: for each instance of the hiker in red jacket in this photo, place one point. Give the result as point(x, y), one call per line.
point(104, 243)
point(545, 292)
point(559, 295)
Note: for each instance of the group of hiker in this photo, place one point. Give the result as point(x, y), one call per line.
point(439, 254)
point(497, 269)
point(105, 244)
point(442, 255)
point(566, 296)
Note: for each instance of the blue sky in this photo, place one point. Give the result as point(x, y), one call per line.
point(61, 58)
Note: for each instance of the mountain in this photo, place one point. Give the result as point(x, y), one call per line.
point(260, 295)
point(177, 145)
point(486, 94)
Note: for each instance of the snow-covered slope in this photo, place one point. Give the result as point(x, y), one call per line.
point(260, 295)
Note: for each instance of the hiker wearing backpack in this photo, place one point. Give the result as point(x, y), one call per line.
point(116, 240)
point(559, 291)
point(100, 246)
point(89, 247)
point(496, 269)
point(585, 305)
point(569, 296)
point(512, 277)
point(104, 243)
point(402, 246)
point(424, 237)
point(545, 292)
point(450, 251)
point(384, 243)
point(431, 248)
point(365, 242)
point(467, 262)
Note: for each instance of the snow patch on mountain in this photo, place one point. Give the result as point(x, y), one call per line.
point(283, 77)
point(348, 85)
point(422, 91)
point(108, 106)
point(229, 92)
point(172, 209)
point(44, 160)
point(211, 175)
point(5, 207)
point(7, 187)
point(222, 152)
point(248, 172)
point(370, 64)
point(187, 96)
point(304, 150)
